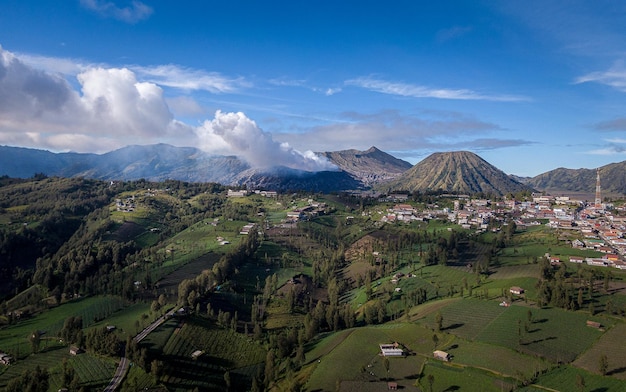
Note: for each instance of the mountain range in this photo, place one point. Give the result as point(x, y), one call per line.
point(459, 172)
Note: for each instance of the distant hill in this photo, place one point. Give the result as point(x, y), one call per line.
point(370, 167)
point(161, 161)
point(460, 171)
point(612, 179)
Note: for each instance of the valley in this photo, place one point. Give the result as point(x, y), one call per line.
point(296, 291)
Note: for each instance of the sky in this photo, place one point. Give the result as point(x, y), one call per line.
point(530, 86)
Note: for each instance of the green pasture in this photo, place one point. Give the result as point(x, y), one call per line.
point(126, 320)
point(93, 371)
point(467, 317)
point(449, 377)
point(502, 361)
point(354, 355)
point(612, 344)
point(515, 271)
point(554, 334)
point(137, 379)
point(50, 358)
point(564, 378)
point(158, 339)
point(14, 338)
point(496, 287)
point(222, 350)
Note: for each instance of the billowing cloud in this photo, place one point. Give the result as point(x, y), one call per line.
point(134, 13)
point(417, 91)
point(242, 136)
point(112, 109)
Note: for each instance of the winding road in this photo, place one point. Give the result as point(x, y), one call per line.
point(122, 367)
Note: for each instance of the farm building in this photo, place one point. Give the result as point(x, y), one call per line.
point(196, 354)
point(5, 359)
point(75, 350)
point(516, 290)
point(391, 350)
point(441, 355)
point(594, 324)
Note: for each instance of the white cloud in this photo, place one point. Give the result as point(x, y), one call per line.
point(614, 77)
point(134, 13)
point(242, 136)
point(393, 131)
point(185, 106)
point(113, 108)
point(417, 91)
point(190, 79)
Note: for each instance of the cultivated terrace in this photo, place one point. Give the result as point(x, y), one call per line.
point(204, 288)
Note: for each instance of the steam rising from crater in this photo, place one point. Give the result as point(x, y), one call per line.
point(241, 136)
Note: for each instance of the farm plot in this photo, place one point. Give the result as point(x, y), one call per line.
point(190, 270)
point(14, 339)
point(501, 360)
point(516, 271)
point(468, 317)
point(354, 356)
point(93, 371)
point(221, 349)
point(612, 345)
point(554, 334)
point(564, 379)
point(453, 378)
point(50, 359)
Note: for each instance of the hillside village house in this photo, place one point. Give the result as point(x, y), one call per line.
point(441, 355)
point(516, 290)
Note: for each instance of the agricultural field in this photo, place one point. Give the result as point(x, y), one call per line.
point(611, 344)
point(221, 350)
point(14, 338)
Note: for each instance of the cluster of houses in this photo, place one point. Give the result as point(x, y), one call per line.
point(601, 229)
point(245, 192)
point(126, 205)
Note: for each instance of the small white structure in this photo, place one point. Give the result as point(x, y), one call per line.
point(391, 350)
point(441, 355)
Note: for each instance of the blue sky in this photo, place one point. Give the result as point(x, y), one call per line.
point(529, 86)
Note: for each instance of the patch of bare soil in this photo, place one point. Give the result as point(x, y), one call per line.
point(127, 231)
point(303, 288)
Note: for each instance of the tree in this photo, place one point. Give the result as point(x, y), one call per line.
point(431, 381)
point(156, 368)
point(35, 341)
point(580, 382)
point(438, 322)
point(227, 380)
point(604, 364)
point(435, 340)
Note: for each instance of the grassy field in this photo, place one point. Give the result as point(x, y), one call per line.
point(447, 377)
point(554, 334)
point(93, 371)
point(564, 378)
point(223, 350)
point(14, 338)
point(611, 344)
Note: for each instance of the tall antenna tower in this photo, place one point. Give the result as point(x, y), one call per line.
point(598, 204)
